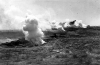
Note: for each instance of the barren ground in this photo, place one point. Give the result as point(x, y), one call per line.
point(78, 47)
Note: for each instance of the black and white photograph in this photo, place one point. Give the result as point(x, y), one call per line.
point(49, 32)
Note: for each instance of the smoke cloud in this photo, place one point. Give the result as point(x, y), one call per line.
point(9, 18)
point(32, 31)
point(13, 12)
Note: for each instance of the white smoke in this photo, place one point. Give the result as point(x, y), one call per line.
point(32, 31)
point(13, 12)
point(9, 18)
point(12, 16)
point(56, 25)
point(75, 24)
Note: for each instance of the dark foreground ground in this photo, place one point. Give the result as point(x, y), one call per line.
point(74, 47)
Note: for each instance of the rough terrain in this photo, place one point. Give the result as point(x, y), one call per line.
point(74, 47)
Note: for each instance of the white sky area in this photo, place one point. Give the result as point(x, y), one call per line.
point(14, 11)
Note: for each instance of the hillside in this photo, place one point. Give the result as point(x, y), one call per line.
point(73, 47)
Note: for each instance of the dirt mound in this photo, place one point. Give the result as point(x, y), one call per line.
point(17, 43)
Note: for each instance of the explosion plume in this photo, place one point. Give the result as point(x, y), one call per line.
point(32, 31)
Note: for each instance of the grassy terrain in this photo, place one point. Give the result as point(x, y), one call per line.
point(74, 47)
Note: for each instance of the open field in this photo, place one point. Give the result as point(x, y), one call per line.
point(75, 47)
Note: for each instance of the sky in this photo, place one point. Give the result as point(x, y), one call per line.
point(14, 11)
